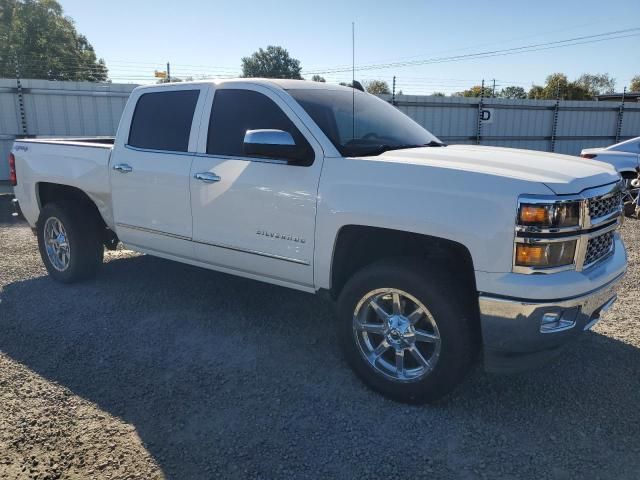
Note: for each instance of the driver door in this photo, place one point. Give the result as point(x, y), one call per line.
point(254, 216)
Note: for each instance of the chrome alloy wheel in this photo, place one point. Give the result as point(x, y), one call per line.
point(56, 244)
point(396, 334)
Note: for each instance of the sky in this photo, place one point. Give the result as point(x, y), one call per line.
point(209, 38)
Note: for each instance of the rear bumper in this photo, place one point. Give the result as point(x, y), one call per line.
point(522, 334)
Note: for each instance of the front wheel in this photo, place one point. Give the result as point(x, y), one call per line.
point(69, 243)
point(404, 332)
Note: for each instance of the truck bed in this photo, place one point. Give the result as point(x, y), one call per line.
point(76, 162)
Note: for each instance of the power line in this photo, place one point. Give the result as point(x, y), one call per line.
point(492, 53)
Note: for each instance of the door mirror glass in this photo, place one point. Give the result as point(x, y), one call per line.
point(271, 143)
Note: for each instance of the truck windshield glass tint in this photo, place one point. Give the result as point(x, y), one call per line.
point(162, 120)
point(378, 126)
point(236, 111)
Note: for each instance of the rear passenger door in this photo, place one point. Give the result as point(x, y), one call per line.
point(149, 170)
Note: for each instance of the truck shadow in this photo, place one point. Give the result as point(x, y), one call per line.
point(197, 360)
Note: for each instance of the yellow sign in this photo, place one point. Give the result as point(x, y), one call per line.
point(158, 74)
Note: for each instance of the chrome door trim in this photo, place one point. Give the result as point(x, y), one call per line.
point(151, 150)
point(253, 252)
point(218, 245)
point(151, 230)
point(274, 161)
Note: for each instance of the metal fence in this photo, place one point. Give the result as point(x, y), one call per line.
point(45, 108)
point(547, 125)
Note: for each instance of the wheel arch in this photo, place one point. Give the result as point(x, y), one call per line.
point(358, 245)
point(47, 192)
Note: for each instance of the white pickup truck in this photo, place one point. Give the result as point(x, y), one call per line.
point(435, 255)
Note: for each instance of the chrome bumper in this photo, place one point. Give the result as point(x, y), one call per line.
point(521, 334)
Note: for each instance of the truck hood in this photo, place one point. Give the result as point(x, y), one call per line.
point(563, 174)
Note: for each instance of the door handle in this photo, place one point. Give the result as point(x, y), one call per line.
point(207, 177)
point(122, 168)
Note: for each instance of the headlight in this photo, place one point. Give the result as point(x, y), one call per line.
point(555, 254)
point(552, 215)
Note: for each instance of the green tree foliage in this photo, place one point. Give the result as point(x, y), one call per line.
point(557, 85)
point(513, 92)
point(318, 78)
point(635, 84)
point(377, 87)
point(438, 94)
point(274, 62)
point(45, 43)
point(474, 91)
point(536, 92)
point(596, 84)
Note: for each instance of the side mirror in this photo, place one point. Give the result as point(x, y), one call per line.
point(271, 144)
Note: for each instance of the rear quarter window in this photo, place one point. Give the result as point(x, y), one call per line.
point(162, 120)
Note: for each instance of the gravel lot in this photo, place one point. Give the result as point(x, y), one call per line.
point(162, 370)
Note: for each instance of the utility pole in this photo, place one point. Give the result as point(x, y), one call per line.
point(493, 92)
point(393, 94)
point(168, 73)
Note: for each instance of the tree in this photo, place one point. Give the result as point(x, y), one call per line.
point(474, 91)
point(557, 85)
point(377, 87)
point(536, 92)
point(635, 84)
point(318, 78)
point(597, 84)
point(438, 94)
point(45, 43)
point(274, 62)
point(513, 92)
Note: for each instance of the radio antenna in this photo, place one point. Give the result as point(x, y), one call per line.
point(353, 79)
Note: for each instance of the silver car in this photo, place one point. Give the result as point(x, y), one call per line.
point(625, 158)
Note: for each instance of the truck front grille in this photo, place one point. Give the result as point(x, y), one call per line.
point(598, 248)
point(604, 205)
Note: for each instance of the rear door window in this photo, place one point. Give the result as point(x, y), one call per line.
point(162, 120)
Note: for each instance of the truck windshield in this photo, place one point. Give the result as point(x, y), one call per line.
point(376, 126)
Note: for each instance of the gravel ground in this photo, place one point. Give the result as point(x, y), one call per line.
point(162, 370)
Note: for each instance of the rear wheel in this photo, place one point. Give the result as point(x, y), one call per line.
point(69, 242)
point(404, 332)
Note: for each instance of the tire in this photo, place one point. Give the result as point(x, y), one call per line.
point(447, 318)
point(84, 250)
point(630, 206)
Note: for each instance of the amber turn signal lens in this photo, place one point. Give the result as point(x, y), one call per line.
point(535, 215)
point(554, 254)
point(552, 215)
point(530, 255)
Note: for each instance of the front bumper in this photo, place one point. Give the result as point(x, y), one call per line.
point(522, 334)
